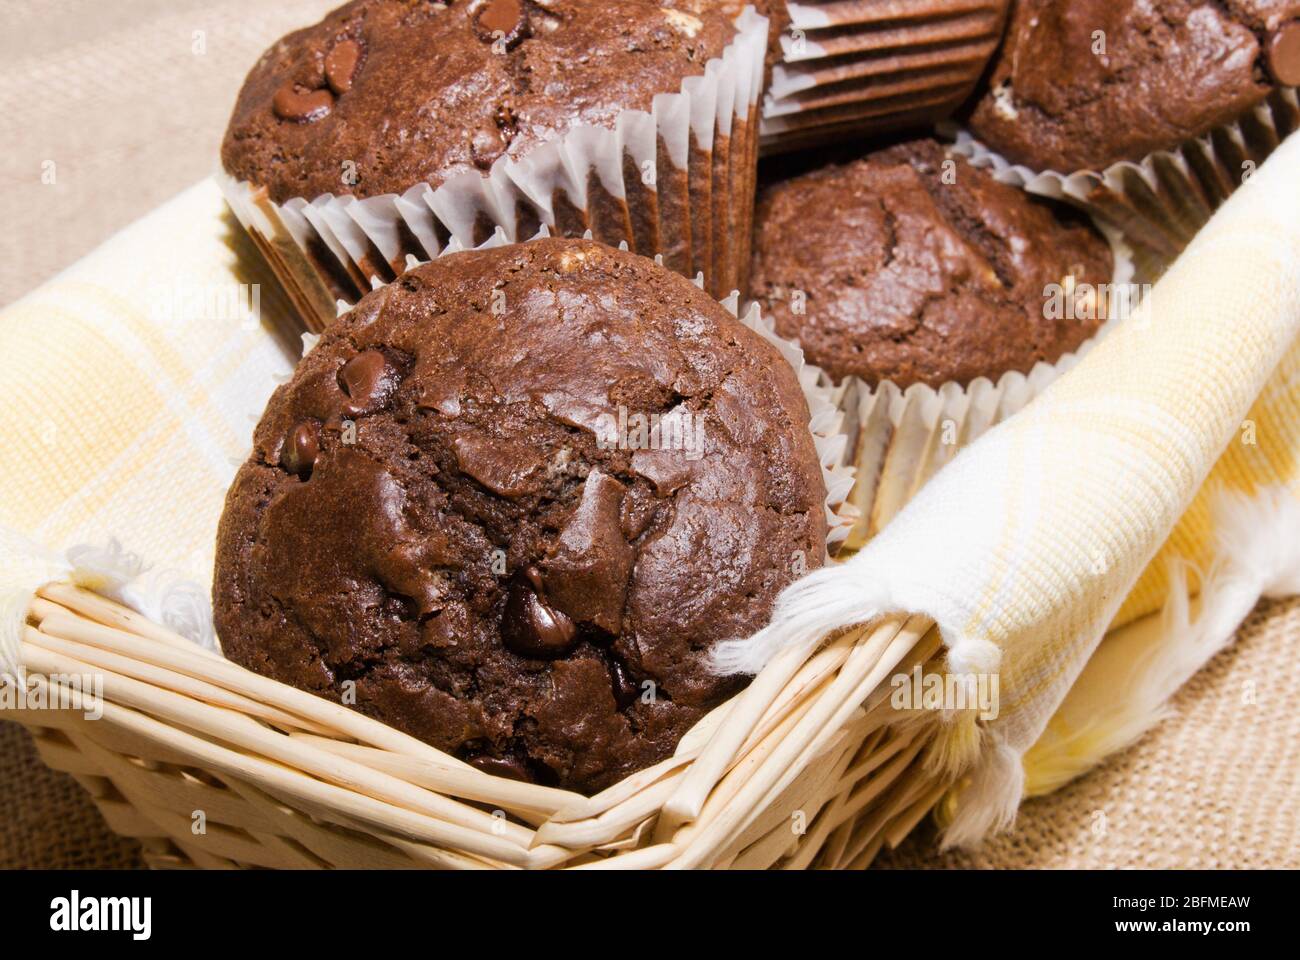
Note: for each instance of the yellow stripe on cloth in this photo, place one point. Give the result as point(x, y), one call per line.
point(1225, 561)
point(1264, 453)
point(130, 381)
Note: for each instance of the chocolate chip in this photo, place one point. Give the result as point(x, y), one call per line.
point(485, 145)
point(501, 20)
point(300, 450)
point(300, 105)
point(668, 470)
point(341, 65)
point(506, 468)
point(1282, 50)
point(507, 767)
point(637, 512)
point(531, 627)
point(590, 566)
point(363, 378)
point(625, 688)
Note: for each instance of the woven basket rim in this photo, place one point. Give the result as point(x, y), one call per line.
point(812, 739)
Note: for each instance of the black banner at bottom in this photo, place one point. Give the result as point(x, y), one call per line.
point(353, 909)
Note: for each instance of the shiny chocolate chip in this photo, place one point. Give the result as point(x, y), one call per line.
point(300, 450)
point(625, 688)
point(531, 627)
point(341, 65)
point(504, 20)
point(361, 379)
point(507, 767)
point(1282, 51)
point(300, 105)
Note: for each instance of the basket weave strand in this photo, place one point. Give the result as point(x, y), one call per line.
point(212, 766)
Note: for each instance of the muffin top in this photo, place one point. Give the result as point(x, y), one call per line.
point(913, 266)
point(412, 91)
point(776, 12)
point(1063, 96)
point(511, 552)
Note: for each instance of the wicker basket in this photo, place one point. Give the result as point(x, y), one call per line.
point(210, 765)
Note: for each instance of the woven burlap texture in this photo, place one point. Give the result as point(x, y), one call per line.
point(49, 821)
point(129, 100)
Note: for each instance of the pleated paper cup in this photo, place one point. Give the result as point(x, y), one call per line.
point(899, 438)
point(678, 182)
point(1160, 202)
point(826, 422)
point(850, 66)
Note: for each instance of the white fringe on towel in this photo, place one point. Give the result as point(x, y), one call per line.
point(166, 597)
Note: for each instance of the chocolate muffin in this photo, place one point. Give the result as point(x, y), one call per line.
point(1169, 71)
point(416, 92)
point(912, 266)
point(467, 512)
point(455, 121)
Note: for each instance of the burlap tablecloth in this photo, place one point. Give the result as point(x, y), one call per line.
point(125, 103)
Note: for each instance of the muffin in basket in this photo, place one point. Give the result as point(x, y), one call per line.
point(393, 129)
point(941, 298)
point(1147, 112)
point(509, 503)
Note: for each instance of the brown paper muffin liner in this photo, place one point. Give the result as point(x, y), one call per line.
point(852, 65)
point(1159, 203)
point(899, 438)
point(826, 420)
point(677, 182)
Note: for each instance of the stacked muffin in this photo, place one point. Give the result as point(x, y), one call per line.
point(1148, 113)
point(914, 279)
point(527, 480)
point(851, 68)
point(393, 129)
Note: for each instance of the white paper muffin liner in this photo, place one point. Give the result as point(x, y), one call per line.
point(854, 65)
point(826, 413)
point(826, 422)
point(700, 142)
point(899, 438)
point(1159, 203)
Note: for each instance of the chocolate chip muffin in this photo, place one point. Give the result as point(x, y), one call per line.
point(1082, 84)
point(510, 502)
point(912, 266)
point(458, 120)
point(416, 92)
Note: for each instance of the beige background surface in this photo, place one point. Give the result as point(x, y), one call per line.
point(128, 100)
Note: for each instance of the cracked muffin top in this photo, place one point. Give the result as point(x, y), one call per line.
point(1082, 84)
point(510, 502)
point(913, 266)
point(411, 91)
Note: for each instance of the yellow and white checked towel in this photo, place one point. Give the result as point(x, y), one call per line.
point(133, 379)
